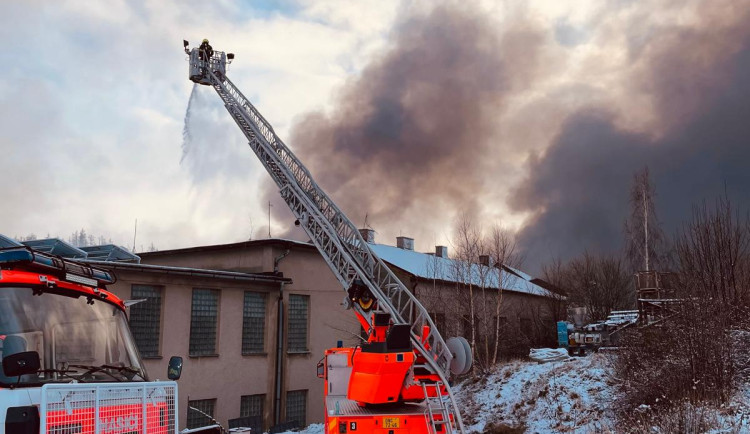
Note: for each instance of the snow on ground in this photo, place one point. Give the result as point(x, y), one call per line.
point(316, 428)
point(520, 396)
point(575, 395)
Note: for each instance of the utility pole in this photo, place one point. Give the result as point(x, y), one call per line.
point(645, 222)
point(135, 232)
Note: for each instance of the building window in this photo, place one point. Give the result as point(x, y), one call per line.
point(145, 318)
point(252, 405)
point(297, 334)
point(197, 419)
point(253, 323)
point(296, 406)
point(203, 320)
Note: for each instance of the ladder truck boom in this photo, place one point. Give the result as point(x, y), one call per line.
point(373, 289)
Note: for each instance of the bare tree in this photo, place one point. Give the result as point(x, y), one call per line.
point(699, 352)
point(29, 237)
point(644, 238)
point(598, 283)
point(713, 251)
point(502, 249)
point(467, 248)
point(554, 275)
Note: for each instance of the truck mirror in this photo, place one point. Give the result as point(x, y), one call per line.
point(230, 56)
point(185, 43)
point(322, 369)
point(174, 371)
point(23, 363)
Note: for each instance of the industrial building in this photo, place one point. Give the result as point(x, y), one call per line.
point(252, 319)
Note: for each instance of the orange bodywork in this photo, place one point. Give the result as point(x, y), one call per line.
point(373, 389)
point(385, 424)
point(378, 378)
point(33, 278)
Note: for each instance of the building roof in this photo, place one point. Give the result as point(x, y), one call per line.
point(241, 244)
point(428, 266)
point(422, 265)
point(195, 272)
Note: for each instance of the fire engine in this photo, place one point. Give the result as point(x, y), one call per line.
point(69, 362)
point(398, 380)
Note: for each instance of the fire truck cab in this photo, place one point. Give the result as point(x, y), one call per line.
point(69, 362)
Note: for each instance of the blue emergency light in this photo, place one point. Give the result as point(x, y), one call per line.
point(13, 257)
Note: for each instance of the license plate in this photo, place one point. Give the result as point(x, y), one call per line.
point(390, 422)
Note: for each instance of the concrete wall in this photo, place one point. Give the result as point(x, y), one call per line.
point(230, 375)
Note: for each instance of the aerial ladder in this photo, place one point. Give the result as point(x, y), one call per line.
point(382, 303)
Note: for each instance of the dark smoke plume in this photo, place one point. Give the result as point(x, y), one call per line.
point(578, 190)
point(411, 139)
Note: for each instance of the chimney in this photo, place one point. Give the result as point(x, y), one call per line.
point(405, 243)
point(485, 260)
point(441, 251)
point(368, 235)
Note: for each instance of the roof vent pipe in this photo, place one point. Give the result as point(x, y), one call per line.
point(441, 251)
point(368, 235)
point(405, 243)
point(485, 260)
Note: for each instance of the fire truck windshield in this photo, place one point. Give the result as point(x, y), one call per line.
point(75, 339)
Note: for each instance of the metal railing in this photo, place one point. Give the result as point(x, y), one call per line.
point(148, 408)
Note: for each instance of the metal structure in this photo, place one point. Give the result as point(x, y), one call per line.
point(336, 237)
point(149, 407)
point(657, 295)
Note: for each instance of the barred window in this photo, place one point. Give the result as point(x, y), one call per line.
point(252, 405)
point(145, 318)
point(203, 321)
point(253, 323)
point(196, 419)
point(296, 406)
point(297, 335)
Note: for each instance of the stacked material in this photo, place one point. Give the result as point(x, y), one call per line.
point(544, 355)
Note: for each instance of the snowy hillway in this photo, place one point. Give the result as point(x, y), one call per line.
point(532, 397)
point(573, 396)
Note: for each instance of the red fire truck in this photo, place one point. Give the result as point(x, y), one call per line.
point(69, 362)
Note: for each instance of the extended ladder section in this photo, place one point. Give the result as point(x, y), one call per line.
point(438, 412)
point(335, 236)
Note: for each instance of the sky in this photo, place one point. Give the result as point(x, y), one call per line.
point(531, 115)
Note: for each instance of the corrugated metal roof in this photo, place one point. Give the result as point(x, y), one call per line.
point(429, 266)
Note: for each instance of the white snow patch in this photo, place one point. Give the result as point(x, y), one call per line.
point(316, 428)
point(566, 396)
point(433, 267)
